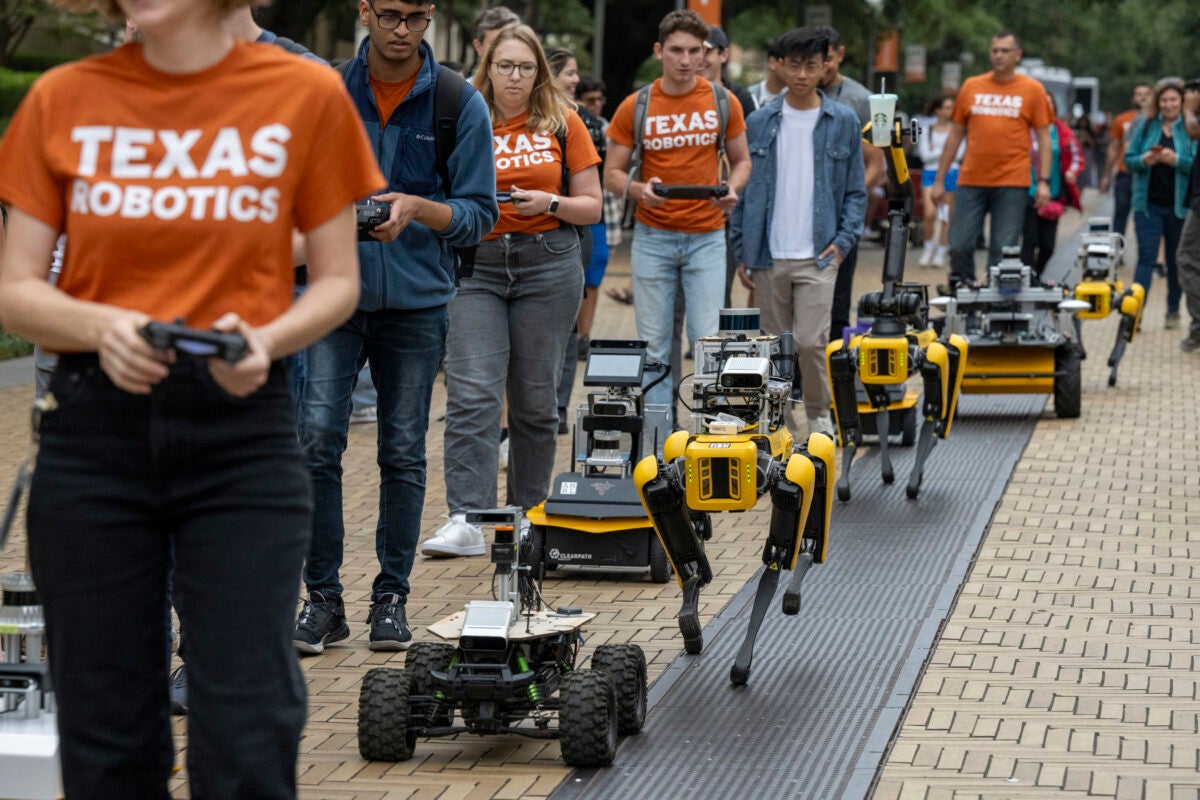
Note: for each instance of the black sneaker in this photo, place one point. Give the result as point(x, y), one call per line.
point(322, 621)
point(389, 626)
point(179, 691)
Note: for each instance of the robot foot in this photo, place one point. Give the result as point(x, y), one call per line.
point(791, 595)
point(924, 446)
point(689, 616)
point(843, 484)
point(767, 585)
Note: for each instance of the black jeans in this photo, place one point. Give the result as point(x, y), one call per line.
point(121, 477)
point(1038, 238)
point(843, 295)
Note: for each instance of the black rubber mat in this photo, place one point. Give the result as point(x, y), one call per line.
point(828, 687)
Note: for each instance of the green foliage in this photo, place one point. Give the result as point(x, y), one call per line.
point(13, 347)
point(13, 86)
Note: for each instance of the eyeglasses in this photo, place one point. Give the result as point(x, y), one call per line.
point(389, 21)
point(813, 67)
point(526, 70)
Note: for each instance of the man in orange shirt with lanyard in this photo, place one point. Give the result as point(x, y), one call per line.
point(995, 111)
point(677, 242)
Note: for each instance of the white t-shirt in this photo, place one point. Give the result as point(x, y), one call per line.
point(795, 167)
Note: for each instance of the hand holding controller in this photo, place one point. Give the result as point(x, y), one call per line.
point(229, 347)
point(371, 215)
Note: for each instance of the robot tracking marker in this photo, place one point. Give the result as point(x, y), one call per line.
point(869, 372)
point(738, 450)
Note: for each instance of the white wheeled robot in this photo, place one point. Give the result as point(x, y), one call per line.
point(739, 449)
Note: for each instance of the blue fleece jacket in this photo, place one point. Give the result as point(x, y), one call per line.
point(417, 270)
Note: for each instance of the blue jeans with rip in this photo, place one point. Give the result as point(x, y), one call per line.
point(1158, 224)
point(404, 349)
point(509, 325)
point(662, 261)
point(971, 204)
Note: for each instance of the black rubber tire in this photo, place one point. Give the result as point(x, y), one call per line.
point(908, 428)
point(383, 733)
point(660, 565)
point(422, 659)
point(587, 720)
point(535, 553)
point(625, 665)
point(1068, 385)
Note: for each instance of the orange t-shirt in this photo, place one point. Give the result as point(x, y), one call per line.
point(680, 147)
point(1120, 133)
point(535, 161)
point(390, 94)
point(998, 117)
point(179, 193)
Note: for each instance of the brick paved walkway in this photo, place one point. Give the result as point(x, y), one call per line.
point(1067, 665)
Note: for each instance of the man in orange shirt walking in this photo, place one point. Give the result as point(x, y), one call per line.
point(996, 112)
point(677, 242)
point(1122, 181)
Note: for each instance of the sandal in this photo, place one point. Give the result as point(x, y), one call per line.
point(622, 294)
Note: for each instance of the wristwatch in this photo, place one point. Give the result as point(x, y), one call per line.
point(550, 209)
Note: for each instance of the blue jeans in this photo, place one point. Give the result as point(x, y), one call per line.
point(971, 203)
point(509, 325)
point(1153, 225)
point(662, 261)
point(121, 480)
point(404, 349)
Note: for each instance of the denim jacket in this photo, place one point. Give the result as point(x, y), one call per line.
point(417, 270)
point(839, 185)
point(1145, 134)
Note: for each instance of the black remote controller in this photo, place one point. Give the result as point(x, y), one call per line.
point(165, 335)
point(369, 216)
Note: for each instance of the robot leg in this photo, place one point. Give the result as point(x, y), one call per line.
point(840, 366)
point(662, 494)
point(941, 369)
point(883, 424)
point(1130, 305)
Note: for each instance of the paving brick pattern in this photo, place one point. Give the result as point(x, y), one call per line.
point(1068, 665)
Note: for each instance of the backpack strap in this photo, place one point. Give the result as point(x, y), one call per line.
point(292, 46)
point(721, 99)
point(641, 109)
point(344, 67)
point(447, 107)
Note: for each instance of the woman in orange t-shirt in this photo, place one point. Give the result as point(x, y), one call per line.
point(178, 168)
point(510, 321)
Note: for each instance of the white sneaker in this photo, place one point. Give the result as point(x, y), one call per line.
point(941, 258)
point(926, 256)
point(455, 538)
point(366, 414)
point(823, 424)
point(504, 456)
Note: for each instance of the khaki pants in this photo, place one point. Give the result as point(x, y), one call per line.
point(796, 295)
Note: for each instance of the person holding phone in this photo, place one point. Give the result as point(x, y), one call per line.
point(510, 320)
point(1160, 157)
point(177, 167)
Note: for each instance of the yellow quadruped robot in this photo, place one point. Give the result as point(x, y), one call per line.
point(869, 372)
point(738, 450)
point(1099, 286)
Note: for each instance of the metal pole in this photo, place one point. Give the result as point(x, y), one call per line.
point(598, 21)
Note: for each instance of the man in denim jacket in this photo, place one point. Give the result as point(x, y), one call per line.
point(801, 211)
point(407, 274)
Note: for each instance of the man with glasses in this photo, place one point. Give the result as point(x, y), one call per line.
point(801, 212)
point(407, 273)
point(996, 112)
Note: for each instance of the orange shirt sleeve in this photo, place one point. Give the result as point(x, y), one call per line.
point(340, 167)
point(27, 179)
point(962, 104)
point(620, 129)
point(581, 152)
